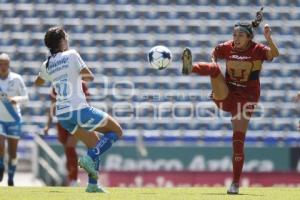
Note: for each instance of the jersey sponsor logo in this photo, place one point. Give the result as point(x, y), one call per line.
point(237, 57)
point(58, 65)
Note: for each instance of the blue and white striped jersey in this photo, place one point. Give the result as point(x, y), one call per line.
point(12, 86)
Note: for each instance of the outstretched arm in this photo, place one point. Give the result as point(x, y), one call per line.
point(22, 95)
point(50, 114)
point(39, 81)
point(86, 74)
point(273, 52)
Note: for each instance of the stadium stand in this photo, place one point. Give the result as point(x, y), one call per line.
point(114, 37)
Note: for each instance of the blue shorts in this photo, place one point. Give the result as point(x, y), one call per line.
point(87, 118)
point(11, 129)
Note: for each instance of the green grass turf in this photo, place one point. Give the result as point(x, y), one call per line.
point(63, 193)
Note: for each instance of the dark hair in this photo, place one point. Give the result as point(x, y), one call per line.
point(52, 40)
point(245, 27)
point(249, 27)
point(258, 19)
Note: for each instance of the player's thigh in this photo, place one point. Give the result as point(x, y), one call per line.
point(12, 146)
point(62, 134)
point(219, 87)
point(13, 136)
point(110, 125)
point(66, 138)
point(93, 119)
point(71, 141)
point(67, 123)
point(240, 123)
point(2, 145)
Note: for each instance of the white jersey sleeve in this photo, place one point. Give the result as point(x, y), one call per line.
point(77, 60)
point(13, 86)
point(22, 90)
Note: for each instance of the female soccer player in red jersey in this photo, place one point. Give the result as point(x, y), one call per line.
point(238, 92)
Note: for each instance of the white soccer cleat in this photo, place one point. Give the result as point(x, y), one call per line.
point(88, 165)
point(94, 188)
point(233, 189)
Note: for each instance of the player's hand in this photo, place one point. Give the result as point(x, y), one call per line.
point(11, 100)
point(297, 98)
point(46, 130)
point(267, 32)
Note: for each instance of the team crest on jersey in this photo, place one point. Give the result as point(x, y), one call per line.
point(239, 71)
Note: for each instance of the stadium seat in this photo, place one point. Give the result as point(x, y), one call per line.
point(114, 40)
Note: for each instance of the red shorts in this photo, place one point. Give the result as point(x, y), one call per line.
point(62, 134)
point(237, 102)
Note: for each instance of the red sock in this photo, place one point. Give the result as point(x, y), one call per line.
point(71, 163)
point(206, 69)
point(238, 155)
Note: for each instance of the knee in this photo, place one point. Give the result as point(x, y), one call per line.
point(215, 70)
point(13, 161)
point(119, 131)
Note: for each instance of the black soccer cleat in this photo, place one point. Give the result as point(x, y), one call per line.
point(187, 64)
point(10, 182)
point(1, 173)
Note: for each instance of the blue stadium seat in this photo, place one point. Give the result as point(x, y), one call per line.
point(116, 42)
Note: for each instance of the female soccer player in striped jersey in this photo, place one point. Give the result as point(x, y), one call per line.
point(13, 92)
point(238, 92)
point(65, 70)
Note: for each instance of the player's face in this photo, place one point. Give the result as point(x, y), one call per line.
point(240, 39)
point(65, 44)
point(4, 66)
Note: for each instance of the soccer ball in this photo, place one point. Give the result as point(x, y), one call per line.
point(159, 57)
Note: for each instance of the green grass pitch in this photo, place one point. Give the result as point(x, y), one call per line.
point(63, 193)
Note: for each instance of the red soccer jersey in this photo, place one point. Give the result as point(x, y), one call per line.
point(242, 67)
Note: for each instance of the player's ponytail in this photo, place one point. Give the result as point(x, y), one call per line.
point(249, 27)
point(259, 18)
point(47, 63)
